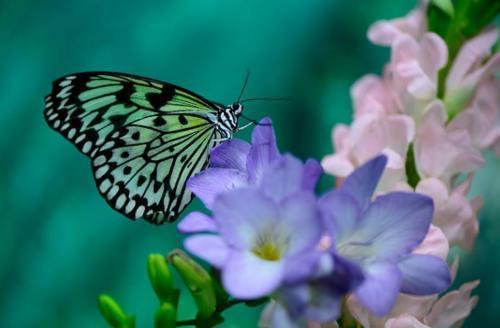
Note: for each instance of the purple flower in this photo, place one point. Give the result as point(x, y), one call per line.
point(380, 235)
point(236, 164)
point(260, 240)
point(319, 299)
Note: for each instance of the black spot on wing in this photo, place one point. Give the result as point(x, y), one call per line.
point(141, 180)
point(126, 170)
point(183, 120)
point(118, 120)
point(159, 121)
point(124, 96)
point(158, 100)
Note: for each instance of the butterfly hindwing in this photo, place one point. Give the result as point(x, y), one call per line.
point(145, 138)
point(141, 172)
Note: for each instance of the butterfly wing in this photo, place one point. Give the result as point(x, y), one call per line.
point(145, 138)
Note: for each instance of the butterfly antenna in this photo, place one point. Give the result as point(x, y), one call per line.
point(244, 85)
point(265, 99)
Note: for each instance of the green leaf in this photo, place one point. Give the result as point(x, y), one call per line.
point(446, 6)
point(411, 168)
point(197, 280)
point(113, 313)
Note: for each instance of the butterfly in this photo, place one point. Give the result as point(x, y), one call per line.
point(145, 138)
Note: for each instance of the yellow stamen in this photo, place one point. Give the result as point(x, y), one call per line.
point(267, 251)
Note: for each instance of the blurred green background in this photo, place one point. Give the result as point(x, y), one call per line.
point(60, 244)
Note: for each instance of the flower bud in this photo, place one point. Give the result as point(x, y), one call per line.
point(161, 278)
point(113, 313)
point(197, 280)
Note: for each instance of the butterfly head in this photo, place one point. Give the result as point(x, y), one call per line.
point(237, 108)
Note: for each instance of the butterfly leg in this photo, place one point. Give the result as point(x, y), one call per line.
point(246, 126)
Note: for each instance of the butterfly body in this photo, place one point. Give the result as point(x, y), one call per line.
point(145, 138)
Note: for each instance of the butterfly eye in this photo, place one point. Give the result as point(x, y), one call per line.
point(237, 108)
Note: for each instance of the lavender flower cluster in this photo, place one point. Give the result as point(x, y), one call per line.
point(270, 234)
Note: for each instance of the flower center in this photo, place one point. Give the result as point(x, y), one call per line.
point(271, 243)
point(268, 251)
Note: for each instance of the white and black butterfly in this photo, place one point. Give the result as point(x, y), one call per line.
point(145, 138)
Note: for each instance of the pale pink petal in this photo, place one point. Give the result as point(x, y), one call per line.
point(417, 306)
point(435, 188)
point(470, 57)
point(453, 307)
point(434, 54)
point(481, 120)
point(394, 160)
point(442, 154)
point(454, 214)
point(405, 321)
point(337, 164)
point(412, 72)
point(371, 95)
point(471, 66)
point(385, 32)
point(435, 243)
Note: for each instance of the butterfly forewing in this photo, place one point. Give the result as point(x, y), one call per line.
point(145, 138)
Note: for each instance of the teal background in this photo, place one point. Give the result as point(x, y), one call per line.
point(60, 244)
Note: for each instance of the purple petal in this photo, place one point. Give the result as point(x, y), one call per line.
point(299, 216)
point(311, 173)
point(424, 275)
point(241, 214)
point(246, 276)
point(362, 182)
point(213, 181)
point(275, 315)
point(341, 213)
point(392, 226)
point(301, 268)
point(263, 151)
point(315, 301)
point(380, 290)
point(264, 133)
point(210, 248)
point(346, 276)
point(325, 304)
point(282, 178)
point(196, 222)
point(231, 154)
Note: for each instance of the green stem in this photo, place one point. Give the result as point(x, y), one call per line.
point(181, 323)
point(229, 304)
point(219, 310)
